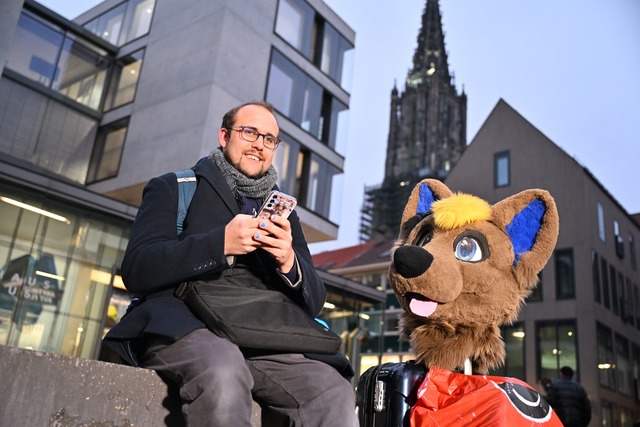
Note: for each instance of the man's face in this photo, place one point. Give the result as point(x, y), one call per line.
point(251, 158)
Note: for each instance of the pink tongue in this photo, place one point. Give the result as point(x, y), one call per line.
point(422, 308)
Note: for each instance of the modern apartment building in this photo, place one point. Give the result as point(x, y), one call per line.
point(91, 109)
point(586, 311)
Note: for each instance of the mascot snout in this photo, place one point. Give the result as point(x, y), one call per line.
point(411, 261)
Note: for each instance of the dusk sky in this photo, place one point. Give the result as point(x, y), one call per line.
point(571, 68)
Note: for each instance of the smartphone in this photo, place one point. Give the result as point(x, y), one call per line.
point(277, 203)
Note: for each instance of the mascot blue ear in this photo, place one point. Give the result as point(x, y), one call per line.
point(425, 199)
point(524, 228)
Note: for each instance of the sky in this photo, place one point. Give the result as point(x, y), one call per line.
point(569, 67)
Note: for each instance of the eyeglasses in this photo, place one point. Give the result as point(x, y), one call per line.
point(250, 134)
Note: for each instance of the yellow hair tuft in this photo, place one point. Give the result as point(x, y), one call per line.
point(460, 209)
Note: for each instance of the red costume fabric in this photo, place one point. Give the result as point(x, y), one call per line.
point(452, 399)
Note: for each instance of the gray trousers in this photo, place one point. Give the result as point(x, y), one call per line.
point(217, 383)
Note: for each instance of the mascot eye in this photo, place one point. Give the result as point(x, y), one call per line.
point(424, 235)
point(469, 250)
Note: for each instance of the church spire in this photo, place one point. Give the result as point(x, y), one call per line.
point(427, 130)
point(430, 57)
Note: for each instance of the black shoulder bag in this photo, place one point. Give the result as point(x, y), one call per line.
point(257, 318)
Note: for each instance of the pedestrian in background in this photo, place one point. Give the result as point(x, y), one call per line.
point(569, 400)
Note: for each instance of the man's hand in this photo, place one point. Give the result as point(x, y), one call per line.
point(240, 235)
point(275, 238)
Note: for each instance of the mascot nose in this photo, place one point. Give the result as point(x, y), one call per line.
point(411, 261)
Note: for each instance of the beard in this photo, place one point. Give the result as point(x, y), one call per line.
point(239, 167)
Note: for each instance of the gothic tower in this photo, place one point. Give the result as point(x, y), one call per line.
point(427, 130)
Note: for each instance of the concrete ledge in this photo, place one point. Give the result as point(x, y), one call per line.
point(46, 389)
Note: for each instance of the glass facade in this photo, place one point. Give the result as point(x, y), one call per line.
point(299, 25)
point(44, 132)
point(606, 361)
point(81, 72)
point(557, 347)
point(58, 268)
point(295, 24)
point(624, 375)
point(107, 153)
point(124, 23)
point(59, 60)
point(59, 136)
point(514, 366)
point(320, 189)
point(321, 192)
point(297, 96)
point(288, 161)
point(124, 80)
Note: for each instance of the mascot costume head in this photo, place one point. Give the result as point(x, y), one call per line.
point(462, 268)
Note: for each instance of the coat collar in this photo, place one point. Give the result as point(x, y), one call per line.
point(206, 169)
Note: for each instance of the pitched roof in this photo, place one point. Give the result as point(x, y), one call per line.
point(362, 254)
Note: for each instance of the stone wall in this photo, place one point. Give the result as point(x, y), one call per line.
point(45, 389)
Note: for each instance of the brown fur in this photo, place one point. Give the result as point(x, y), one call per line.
point(474, 298)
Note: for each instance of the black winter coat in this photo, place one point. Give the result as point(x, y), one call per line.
point(570, 402)
point(157, 260)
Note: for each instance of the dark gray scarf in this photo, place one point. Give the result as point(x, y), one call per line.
point(240, 184)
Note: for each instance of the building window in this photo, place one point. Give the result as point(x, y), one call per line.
point(608, 413)
point(107, 26)
point(605, 283)
point(627, 416)
point(137, 20)
point(57, 264)
point(301, 99)
point(614, 289)
point(618, 240)
point(514, 366)
point(308, 177)
point(501, 169)
point(320, 182)
point(124, 80)
point(626, 299)
point(299, 25)
point(81, 72)
point(35, 49)
point(632, 252)
point(565, 279)
point(295, 94)
point(601, 232)
point(536, 294)
point(288, 163)
point(635, 369)
point(59, 60)
point(124, 23)
point(44, 132)
point(337, 56)
point(557, 347)
point(606, 362)
point(636, 305)
point(595, 270)
point(623, 366)
point(295, 24)
point(338, 126)
point(107, 152)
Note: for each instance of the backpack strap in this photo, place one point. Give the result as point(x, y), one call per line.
point(186, 189)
